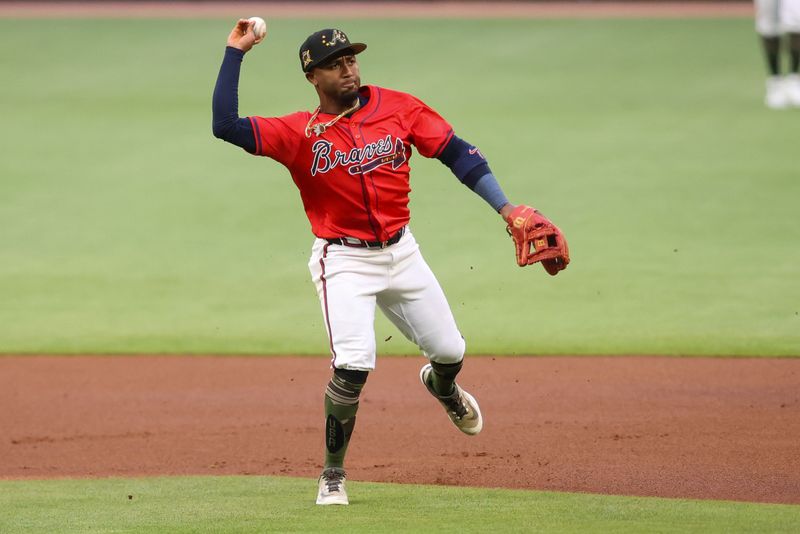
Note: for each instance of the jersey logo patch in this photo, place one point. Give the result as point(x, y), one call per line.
point(358, 160)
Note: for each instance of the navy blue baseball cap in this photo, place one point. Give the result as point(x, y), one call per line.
point(326, 44)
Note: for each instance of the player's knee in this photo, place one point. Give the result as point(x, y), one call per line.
point(354, 352)
point(447, 351)
point(352, 376)
point(345, 386)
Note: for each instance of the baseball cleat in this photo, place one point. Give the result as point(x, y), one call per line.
point(331, 487)
point(461, 407)
point(777, 96)
point(792, 88)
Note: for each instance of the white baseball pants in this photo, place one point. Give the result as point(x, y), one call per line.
point(350, 283)
point(776, 17)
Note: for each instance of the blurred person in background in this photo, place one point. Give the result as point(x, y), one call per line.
point(774, 20)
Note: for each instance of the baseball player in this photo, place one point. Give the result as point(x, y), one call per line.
point(350, 161)
point(774, 18)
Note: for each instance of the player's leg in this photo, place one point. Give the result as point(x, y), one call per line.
point(768, 28)
point(434, 333)
point(346, 289)
point(793, 79)
point(416, 304)
point(790, 23)
point(341, 406)
point(794, 50)
point(772, 53)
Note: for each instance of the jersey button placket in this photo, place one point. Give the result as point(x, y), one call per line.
point(359, 143)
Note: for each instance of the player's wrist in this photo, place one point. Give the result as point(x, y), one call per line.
point(234, 50)
point(506, 210)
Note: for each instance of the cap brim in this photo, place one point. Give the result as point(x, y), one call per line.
point(356, 48)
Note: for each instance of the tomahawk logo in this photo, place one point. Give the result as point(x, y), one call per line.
point(358, 160)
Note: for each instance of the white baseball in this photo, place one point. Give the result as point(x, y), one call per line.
point(259, 29)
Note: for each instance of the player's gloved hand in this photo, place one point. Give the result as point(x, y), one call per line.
point(242, 36)
point(537, 239)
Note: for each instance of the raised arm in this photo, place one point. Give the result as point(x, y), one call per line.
point(226, 123)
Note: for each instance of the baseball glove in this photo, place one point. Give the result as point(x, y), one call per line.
point(537, 240)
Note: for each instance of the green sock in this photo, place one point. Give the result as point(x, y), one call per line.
point(443, 377)
point(339, 423)
point(341, 405)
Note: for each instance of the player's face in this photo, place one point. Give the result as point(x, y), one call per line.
point(339, 79)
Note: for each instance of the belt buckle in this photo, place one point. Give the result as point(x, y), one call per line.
point(379, 245)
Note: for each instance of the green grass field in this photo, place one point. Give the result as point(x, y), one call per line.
point(257, 504)
point(126, 227)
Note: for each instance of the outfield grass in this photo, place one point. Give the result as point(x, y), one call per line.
point(261, 504)
point(126, 227)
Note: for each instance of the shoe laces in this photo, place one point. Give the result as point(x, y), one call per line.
point(455, 405)
point(333, 479)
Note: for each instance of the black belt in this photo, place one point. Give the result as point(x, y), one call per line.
point(361, 243)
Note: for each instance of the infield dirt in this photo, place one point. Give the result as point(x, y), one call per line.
point(669, 427)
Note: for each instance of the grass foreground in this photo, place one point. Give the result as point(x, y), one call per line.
point(270, 504)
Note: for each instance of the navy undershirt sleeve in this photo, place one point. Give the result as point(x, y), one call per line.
point(227, 124)
point(470, 167)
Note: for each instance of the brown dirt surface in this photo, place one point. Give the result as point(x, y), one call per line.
point(378, 9)
point(648, 426)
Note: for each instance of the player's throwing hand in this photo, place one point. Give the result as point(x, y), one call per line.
point(243, 36)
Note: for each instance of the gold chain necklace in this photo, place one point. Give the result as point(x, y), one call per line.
point(319, 129)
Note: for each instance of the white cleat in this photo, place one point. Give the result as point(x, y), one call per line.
point(331, 487)
point(461, 407)
point(777, 95)
point(792, 88)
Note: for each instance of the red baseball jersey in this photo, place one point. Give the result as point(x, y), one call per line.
point(354, 177)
